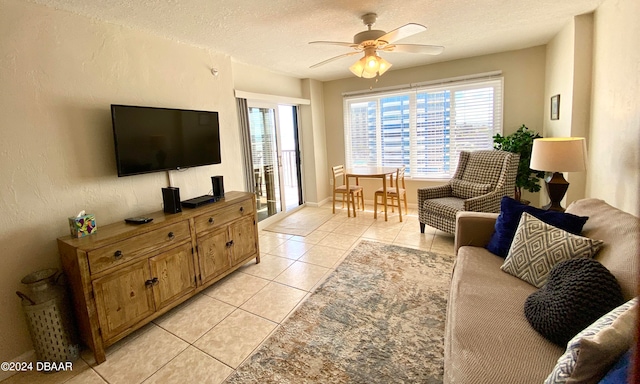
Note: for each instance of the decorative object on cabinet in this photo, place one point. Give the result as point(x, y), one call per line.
point(82, 225)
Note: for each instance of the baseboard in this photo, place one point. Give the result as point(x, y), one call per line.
point(25, 357)
point(320, 204)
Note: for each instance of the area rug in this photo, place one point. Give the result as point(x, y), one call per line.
point(378, 318)
point(301, 223)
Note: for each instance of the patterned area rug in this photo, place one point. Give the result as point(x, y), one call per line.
point(379, 318)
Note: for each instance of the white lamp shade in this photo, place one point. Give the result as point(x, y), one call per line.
point(559, 154)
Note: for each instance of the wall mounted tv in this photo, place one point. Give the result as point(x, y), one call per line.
point(151, 139)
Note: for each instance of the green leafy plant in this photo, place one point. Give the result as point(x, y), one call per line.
point(521, 142)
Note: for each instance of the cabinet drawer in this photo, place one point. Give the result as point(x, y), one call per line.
point(209, 221)
point(125, 250)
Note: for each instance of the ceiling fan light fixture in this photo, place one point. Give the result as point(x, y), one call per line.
point(373, 41)
point(358, 67)
point(372, 63)
point(384, 65)
point(370, 66)
point(369, 75)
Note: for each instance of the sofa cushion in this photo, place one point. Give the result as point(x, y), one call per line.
point(510, 213)
point(578, 292)
point(487, 335)
point(538, 246)
point(466, 189)
point(619, 323)
point(621, 233)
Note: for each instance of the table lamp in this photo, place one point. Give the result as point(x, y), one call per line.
point(558, 154)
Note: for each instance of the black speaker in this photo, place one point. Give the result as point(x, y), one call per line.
point(218, 186)
point(171, 200)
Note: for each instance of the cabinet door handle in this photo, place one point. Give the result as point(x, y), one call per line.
point(117, 254)
point(229, 243)
point(211, 220)
point(150, 283)
point(241, 209)
point(170, 235)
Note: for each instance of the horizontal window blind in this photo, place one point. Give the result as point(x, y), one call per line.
point(423, 128)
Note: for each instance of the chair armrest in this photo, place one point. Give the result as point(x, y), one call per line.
point(489, 202)
point(433, 193)
point(474, 229)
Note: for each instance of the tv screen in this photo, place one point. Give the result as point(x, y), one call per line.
point(151, 139)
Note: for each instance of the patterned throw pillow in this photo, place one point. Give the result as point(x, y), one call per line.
point(621, 321)
point(538, 246)
point(466, 189)
point(510, 214)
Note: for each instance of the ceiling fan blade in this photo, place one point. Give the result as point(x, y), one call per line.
point(415, 48)
point(402, 32)
point(334, 58)
point(344, 44)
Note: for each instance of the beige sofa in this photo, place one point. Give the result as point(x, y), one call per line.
point(488, 338)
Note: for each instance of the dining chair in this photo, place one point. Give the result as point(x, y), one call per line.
point(339, 186)
point(396, 190)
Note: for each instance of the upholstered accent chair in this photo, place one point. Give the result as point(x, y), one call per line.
point(481, 180)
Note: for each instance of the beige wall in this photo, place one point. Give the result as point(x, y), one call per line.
point(254, 79)
point(314, 151)
point(524, 74)
point(569, 68)
point(59, 73)
point(614, 148)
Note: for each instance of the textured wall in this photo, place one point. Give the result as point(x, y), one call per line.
point(614, 150)
point(568, 74)
point(59, 73)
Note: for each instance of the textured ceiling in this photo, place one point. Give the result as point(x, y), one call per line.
point(274, 34)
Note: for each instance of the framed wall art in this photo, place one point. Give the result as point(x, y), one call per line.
point(555, 107)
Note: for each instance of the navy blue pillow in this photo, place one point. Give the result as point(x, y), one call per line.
point(619, 373)
point(507, 223)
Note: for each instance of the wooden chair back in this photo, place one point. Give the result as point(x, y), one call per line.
point(338, 174)
point(397, 178)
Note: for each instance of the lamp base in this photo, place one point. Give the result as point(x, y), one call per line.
point(556, 188)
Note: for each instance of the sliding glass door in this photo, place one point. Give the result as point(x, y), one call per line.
point(276, 157)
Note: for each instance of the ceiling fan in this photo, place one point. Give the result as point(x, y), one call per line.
point(373, 41)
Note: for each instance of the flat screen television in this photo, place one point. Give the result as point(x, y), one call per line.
point(149, 139)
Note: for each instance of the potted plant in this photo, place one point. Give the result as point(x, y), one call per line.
point(521, 142)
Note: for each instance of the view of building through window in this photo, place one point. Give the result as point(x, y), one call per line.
point(425, 128)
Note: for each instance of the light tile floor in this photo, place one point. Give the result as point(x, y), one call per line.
point(204, 339)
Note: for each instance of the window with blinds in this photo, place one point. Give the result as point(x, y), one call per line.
point(423, 127)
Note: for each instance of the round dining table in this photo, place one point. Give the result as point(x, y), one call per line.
point(369, 172)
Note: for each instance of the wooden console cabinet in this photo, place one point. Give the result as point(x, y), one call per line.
point(126, 275)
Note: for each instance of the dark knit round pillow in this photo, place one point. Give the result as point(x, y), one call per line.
point(578, 292)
